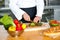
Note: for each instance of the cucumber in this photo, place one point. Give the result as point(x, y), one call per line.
point(38, 24)
point(32, 24)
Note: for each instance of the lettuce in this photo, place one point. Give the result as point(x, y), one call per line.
point(7, 20)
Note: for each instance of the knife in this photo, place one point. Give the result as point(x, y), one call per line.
point(30, 21)
point(47, 19)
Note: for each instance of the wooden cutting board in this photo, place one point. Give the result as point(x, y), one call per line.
point(43, 27)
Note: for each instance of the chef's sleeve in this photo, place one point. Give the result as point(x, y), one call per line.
point(40, 7)
point(15, 9)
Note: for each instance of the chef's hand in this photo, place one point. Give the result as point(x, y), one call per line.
point(36, 19)
point(26, 17)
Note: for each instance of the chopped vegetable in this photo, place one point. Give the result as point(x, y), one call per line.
point(39, 24)
point(35, 24)
point(32, 24)
point(53, 23)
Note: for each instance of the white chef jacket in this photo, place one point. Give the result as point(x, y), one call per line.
point(15, 6)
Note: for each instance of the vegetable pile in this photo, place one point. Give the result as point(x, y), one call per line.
point(54, 23)
point(12, 25)
point(33, 24)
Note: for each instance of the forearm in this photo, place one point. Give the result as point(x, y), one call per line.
point(40, 7)
point(16, 10)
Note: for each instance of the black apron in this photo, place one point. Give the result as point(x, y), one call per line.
point(31, 12)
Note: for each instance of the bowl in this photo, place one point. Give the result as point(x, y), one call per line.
point(15, 33)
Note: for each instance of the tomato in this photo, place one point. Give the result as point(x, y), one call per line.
point(16, 21)
point(54, 22)
point(19, 27)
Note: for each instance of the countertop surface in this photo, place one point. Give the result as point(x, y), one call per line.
point(26, 35)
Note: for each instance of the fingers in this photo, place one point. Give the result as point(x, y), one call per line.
point(36, 19)
point(26, 17)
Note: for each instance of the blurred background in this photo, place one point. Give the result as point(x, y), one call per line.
point(51, 9)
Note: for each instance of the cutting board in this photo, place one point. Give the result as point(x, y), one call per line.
point(43, 27)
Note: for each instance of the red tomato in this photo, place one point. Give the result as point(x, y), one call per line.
point(19, 27)
point(16, 21)
point(54, 22)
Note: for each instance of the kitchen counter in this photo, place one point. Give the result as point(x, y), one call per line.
point(26, 35)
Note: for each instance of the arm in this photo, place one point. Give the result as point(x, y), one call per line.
point(15, 9)
point(40, 7)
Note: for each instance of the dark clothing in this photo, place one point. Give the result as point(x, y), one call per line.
point(31, 12)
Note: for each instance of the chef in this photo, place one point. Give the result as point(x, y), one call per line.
point(27, 10)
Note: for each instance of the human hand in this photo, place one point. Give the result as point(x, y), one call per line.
point(26, 17)
point(36, 19)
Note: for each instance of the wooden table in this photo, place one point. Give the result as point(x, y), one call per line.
point(27, 35)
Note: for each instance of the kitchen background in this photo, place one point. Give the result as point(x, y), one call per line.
point(51, 10)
